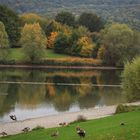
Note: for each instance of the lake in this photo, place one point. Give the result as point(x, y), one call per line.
point(35, 93)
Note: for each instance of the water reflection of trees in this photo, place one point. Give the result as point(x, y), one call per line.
point(7, 94)
point(111, 95)
point(110, 77)
point(63, 101)
point(88, 101)
point(31, 95)
point(8, 97)
point(61, 97)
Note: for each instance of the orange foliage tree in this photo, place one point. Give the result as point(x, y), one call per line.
point(51, 39)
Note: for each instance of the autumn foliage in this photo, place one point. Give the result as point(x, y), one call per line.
point(33, 41)
point(85, 46)
point(51, 40)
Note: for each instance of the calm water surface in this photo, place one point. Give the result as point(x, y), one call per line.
point(35, 93)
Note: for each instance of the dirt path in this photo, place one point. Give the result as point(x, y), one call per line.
point(54, 120)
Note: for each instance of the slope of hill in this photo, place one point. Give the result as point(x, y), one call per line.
point(126, 11)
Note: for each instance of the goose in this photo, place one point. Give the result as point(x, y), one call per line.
point(55, 134)
point(80, 132)
point(26, 129)
point(122, 124)
point(3, 134)
point(13, 117)
point(63, 124)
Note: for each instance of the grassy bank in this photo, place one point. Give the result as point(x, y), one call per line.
point(16, 57)
point(17, 54)
point(108, 128)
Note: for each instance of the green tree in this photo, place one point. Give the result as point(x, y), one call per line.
point(120, 44)
point(76, 34)
point(79, 32)
point(54, 26)
point(33, 41)
point(62, 44)
point(4, 43)
point(96, 39)
point(131, 80)
point(65, 18)
point(91, 21)
point(12, 24)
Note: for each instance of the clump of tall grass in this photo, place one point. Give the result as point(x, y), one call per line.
point(80, 118)
point(38, 128)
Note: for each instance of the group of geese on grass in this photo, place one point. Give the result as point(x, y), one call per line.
point(81, 132)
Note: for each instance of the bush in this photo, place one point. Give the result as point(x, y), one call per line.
point(124, 108)
point(120, 109)
point(131, 80)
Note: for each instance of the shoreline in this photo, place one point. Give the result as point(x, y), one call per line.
point(51, 121)
point(60, 67)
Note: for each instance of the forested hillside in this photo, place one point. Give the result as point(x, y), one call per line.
point(126, 11)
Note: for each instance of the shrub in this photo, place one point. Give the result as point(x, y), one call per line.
point(131, 80)
point(121, 108)
point(124, 108)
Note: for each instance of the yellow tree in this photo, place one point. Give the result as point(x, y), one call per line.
point(85, 46)
point(33, 41)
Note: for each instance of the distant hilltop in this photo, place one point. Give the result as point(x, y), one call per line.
point(124, 11)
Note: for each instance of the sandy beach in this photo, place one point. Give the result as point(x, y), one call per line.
point(54, 120)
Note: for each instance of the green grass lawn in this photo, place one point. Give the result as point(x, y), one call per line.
point(17, 54)
point(108, 128)
point(51, 54)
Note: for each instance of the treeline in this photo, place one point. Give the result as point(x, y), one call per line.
point(108, 9)
point(84, 36)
